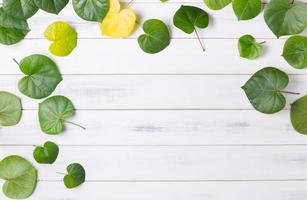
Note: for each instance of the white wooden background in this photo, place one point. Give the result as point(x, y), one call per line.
point(170, 126)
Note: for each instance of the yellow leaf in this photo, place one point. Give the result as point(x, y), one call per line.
point(118, 23)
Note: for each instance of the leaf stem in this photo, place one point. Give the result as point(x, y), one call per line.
point(262, 42)
point(199, 40)
point(69, 122)
point(60, 173)
point(287, 92)
point(130, 3)
point(16, 61)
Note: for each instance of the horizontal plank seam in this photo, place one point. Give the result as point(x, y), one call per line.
point(161, 109)
point(156, 74)
point(183, 181)
point(173, 38)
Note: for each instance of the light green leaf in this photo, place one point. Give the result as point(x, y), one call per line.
point(63, 36)
point(21, 9)
point(51, 6)
point(246, 9)
point(156, 37)
point(10, 109)
point(91, 10)
point(295, 51)
point(249, 48)
point(299, 115)
point(285, 18)
point(264, 90)
point(46, 154)
point(75, 176)
point(42, 76)
point(53, 113)
point(20, 177)
point(217, 4)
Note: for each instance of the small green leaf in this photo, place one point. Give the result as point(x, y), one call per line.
point(46, 154)
point(91, 10)
point(75, 176)
point(246, 9)
point(51, 6)
point(20, 177)
point(53, 112)
point(10, 109)
point(156, 37)
point(285, 18)
point(63, 36)
point(163, 1)
point(299, 115)
point(249, 48)
point(295, 51)
point(264, 90)
point(217, 4)
point(42, 77)
point(21, 9)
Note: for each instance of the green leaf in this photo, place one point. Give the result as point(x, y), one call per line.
point(295, 51)
point(249, 48)
point(46, 154)
point(264, 90)
point(10, 109)
point(246, 9)
point(63, 36)
point(217, 4)
point(51, 6)
point(21, 9)
point(53, 113)
point(299, 115)
point(42, 76)
point(284, 18)
point(12, 30)
point(20, 177)
point(163, 1)
point(156, 37)
point(91, 10)
point(75, 176)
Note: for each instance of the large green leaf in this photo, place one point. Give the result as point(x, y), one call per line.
point(75, 176)
point(46, 154)
point(217, 4)
point(295, 51)
point(42, 76)
point(299, 115)
point(21, 9)
point(20, 177)
point(285, 18)
point(249, 48)
point(264, 90)
point(156, 37)
point(51, 6)
point(91, 10)
point(246, 9)
point(53, 113)
point(10, 109)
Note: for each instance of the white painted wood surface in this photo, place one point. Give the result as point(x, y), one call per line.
point(170, 126)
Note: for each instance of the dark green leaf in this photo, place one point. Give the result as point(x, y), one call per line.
point(21, 9)
point(46, 154)
point(295, 51)
point(246, 9)
point(249, 48)
point(299, 115)
point(217, 4)
point(91, 10)
point(10, 109)
point(75, 176)
point(51, 6)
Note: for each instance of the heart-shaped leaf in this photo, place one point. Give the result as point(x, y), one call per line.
point(10, 109)
point(264, 90)
point(53, 113)
point(12, 30)
point(249, 48)
point(42, 76)
point(246, 9)
point(118, 23)
point(285, 18)
point(51, 6)
point(156, 37)
point(299, 115)
point(217, 4)
point(295, 51)
point(91, 10)
point(20, 177)
point(46, 154)
point(63, 36)
point(75, 176)
point(21, 9)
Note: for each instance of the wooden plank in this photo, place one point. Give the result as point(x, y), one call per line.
point(176, 163)
point(295, 190)
point(161, 127)
point(153, 92)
